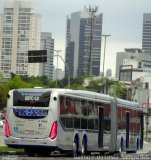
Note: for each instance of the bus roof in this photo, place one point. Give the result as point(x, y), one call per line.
point(128, 103)
point(84, 94)
point(88, 94)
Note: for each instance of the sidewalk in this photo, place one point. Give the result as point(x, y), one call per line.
point(146, 148)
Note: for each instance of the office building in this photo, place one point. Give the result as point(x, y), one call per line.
point(146, 37)
point(19, 32)
point(134, 57)
point(83, 43)
point(47, 43)
point(58, 74)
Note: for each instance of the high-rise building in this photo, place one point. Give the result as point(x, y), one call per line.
point(20, 31)
point(146, 37)
point(47, 43)
point(83, 43)
point(58, 74)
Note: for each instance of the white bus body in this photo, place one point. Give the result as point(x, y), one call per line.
point(69, 120)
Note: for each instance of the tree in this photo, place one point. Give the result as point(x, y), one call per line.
point(17, 82)
point(52, 84)
point(95, 85)
point(12, 75)
point(77, 87)
point(1, 77)
point(118, 90)
point(3, 95)
point(108, 86)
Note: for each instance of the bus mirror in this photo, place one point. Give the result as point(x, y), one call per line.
point(55, 98)
point(8, 96)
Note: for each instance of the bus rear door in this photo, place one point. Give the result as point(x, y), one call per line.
point(101, 127)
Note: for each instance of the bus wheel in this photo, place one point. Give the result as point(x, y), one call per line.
point(138, 144)
point(75, 148)
point(84, 147)
point(121, 148)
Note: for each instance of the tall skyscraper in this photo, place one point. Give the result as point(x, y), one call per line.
point(83, 42)
point(47, 43)
point(146, 39)
point(20, 31)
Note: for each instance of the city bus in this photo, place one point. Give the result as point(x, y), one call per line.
point(80, 122)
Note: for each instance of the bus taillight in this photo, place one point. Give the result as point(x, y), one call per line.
point(7, 129)
point(53, 132)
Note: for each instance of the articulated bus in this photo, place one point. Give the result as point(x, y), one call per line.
point(43, 120)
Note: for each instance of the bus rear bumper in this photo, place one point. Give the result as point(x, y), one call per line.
point(46, 142)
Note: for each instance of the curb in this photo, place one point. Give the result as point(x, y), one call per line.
point(12, 153)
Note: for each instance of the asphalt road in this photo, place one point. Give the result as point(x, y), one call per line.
point(92, 157)
point(142, 154)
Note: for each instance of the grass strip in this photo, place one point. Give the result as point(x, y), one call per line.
point(8, 149)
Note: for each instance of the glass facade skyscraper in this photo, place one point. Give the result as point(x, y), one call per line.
point(47, 43)
point(146, 38)
point(83, 43)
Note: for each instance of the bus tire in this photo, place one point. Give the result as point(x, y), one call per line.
point(75, 148)
point(121, 148)
point(84, 147)
point(138, 144)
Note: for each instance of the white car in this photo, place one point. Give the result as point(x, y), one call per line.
point(1, 124)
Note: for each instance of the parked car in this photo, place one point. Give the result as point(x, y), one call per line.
point(1, 124)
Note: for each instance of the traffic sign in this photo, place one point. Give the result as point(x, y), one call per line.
point(37, 56)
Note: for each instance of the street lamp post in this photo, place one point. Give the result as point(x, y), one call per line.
point(57, 64)
point(105, 36)
point(67, 68)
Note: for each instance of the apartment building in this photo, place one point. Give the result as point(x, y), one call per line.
point(20, 29)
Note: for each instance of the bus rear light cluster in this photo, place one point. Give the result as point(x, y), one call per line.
point(7, 129)
point(53, 132)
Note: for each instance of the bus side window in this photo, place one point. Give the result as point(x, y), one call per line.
point(84, 107)
point(77, 112)
point(77, 107)
point(90, 108)
point(62, 105)
point(70, 108)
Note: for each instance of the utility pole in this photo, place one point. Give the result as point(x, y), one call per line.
point(92, 11)
point(105, 36)
point(67, 68)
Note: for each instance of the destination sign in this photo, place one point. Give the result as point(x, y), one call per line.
point(30, 113)
point(28, 98)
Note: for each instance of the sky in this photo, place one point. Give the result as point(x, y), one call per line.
point(122, 19)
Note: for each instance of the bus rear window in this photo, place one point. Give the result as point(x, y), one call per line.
point(35, 99)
